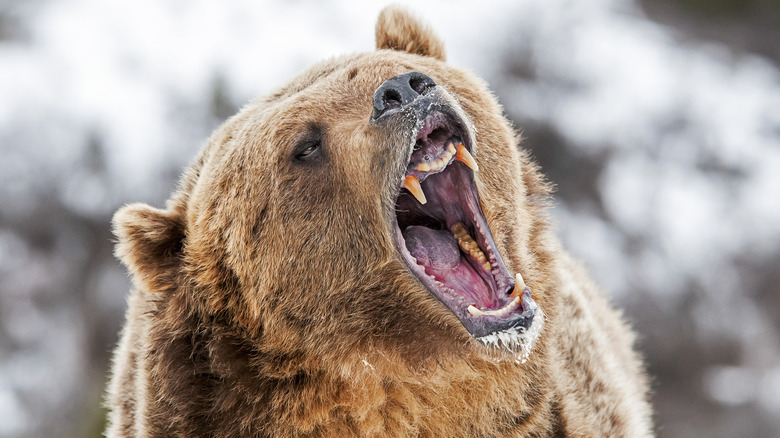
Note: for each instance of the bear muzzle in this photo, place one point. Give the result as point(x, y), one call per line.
point(440, 228)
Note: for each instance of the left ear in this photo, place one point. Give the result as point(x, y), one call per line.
point(397, 29)
point(149, 243)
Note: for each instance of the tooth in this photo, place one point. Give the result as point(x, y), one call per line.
point(412, 184)
point(469, 245)
point(459, 230)
point(451, 148)
point(474, 311)
point(424, 167)
point(519, 286)
point(519, 280)
point(465, 157)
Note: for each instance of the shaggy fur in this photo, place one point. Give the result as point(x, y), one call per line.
point(269, 299)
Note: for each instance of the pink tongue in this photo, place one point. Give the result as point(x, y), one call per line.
point(432, 248)
point(438, 253)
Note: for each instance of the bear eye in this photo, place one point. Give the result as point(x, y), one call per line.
point(308, 151)
point(309, 146)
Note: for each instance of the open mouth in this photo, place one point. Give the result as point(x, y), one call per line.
point(445, 240)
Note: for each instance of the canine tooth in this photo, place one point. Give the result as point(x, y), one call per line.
point(519, 286)
point(519, 280)
point(474, 311)
point(466, 158)
point(412, 184)
point(424, 167)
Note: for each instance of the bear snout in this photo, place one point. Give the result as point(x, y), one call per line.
point(399, 91)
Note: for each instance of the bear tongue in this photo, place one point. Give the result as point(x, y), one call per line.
point(435, 249)
point(438, 253)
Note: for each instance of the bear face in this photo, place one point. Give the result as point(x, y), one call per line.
point(299, 215)
point(346, 246)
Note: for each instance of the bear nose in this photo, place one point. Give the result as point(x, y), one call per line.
point(400, 91)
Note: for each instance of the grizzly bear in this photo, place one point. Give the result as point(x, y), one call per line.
point(365, 252)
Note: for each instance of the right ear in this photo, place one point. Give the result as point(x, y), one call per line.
point(397, 29)
point(150, 243)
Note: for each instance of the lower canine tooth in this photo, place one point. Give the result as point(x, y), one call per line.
point(519, 286)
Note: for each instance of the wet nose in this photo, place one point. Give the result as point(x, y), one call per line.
point(400, 91)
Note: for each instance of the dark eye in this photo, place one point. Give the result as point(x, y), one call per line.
point(309, 150)
point(308, 146)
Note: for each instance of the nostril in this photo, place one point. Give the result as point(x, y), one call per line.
point(392, 99)
point(421, 85)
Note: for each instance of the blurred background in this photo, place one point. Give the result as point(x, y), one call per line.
point(659, 121)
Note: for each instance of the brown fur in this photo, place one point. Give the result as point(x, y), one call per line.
point(269, 299)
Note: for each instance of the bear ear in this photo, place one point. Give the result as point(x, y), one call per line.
point(397, 29)
point(150, 243)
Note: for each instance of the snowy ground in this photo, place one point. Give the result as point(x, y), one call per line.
point(102, 103)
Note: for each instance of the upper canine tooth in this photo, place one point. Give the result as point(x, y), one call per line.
point(412, 184)
point(466, 158)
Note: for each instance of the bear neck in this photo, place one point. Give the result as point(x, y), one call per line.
point(210, 375)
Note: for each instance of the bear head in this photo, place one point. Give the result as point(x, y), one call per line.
point(377, 209)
